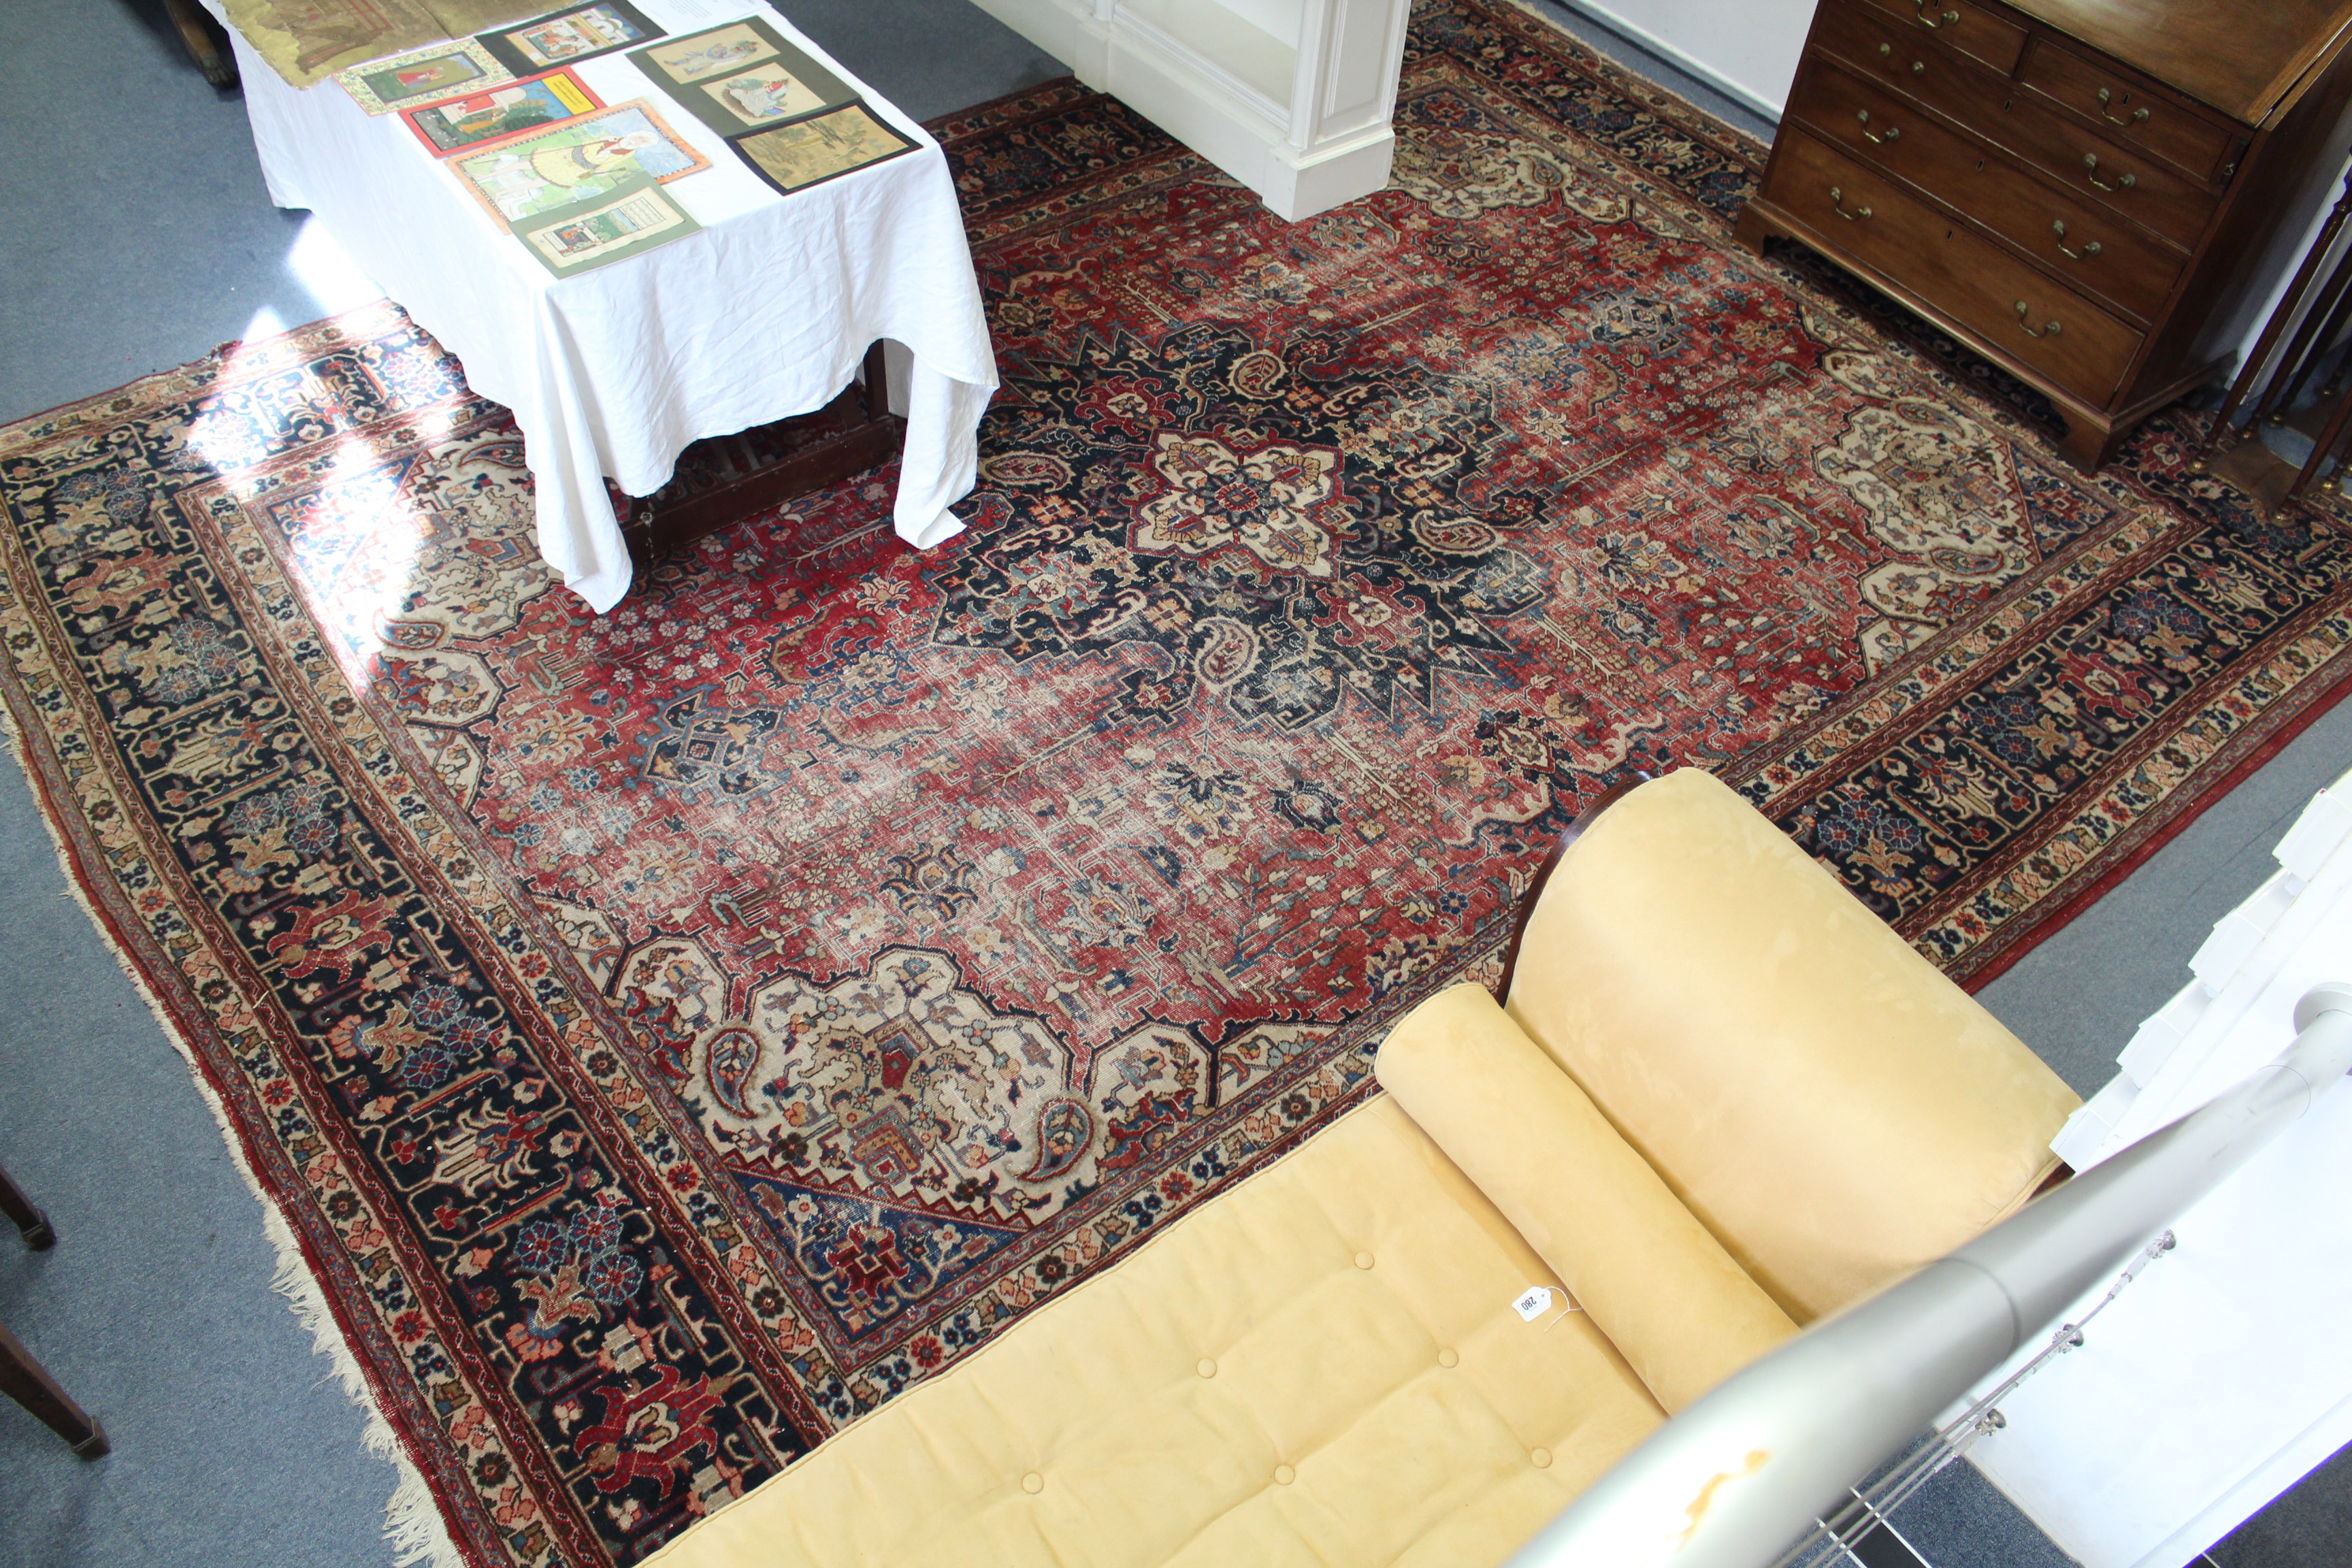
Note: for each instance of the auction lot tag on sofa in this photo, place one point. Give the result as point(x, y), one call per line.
point(1534, 1304)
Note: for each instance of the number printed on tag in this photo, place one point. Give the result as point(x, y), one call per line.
point(1534, 1304)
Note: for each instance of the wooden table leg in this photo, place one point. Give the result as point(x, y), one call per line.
point(725, 478)
point(25, 1380)
point(203, 46)
point(39, 1234)
point(877, 384)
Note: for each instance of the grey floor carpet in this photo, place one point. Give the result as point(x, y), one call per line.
point(2308, 1527)
point(140, 242)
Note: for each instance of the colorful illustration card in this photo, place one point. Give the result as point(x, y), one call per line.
point(631, 218)
point(380, 87)
point(574, 32)
point(454, 125)
point(534, 173)
point(742, 77)
point(822, 147)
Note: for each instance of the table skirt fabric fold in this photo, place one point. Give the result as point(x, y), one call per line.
point(764, 313)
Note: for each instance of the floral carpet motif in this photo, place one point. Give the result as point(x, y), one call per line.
point(673, 1034)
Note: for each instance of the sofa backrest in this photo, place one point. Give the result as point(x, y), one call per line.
point(1829, 1106)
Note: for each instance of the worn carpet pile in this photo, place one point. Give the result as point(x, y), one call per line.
point(673, 1034)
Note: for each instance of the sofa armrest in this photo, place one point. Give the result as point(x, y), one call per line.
point(1682, 1313)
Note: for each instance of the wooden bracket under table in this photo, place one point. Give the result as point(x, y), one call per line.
point(725, 478)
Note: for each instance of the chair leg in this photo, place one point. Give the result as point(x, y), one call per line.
point(39, 1234)
point(25, 1380)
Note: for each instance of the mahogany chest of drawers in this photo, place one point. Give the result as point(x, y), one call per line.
point(2083, 191)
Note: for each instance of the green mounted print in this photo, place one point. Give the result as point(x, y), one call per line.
point(629, 220)
point(421, 76)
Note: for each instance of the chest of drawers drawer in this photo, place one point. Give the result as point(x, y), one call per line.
point(1963, 25)
point(1865, 215)
point(2082, 243)
point(2122, 178)
point(2146, 117)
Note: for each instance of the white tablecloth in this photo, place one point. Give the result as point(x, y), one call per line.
point(764, 314)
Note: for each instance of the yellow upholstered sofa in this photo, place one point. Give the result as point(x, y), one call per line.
point(1722, 1099)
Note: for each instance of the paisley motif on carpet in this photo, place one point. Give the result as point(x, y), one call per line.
point(673, 1034)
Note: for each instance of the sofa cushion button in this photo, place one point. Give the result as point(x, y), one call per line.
point(1363, 1260)
point(1033, 1483)
point(1448, 1358)
point(1207, 1367)
point(1284, 1475)
point(1541, 1458)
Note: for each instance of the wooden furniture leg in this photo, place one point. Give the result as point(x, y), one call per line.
point(2323, 448)
point(2252, 368)
point(2304, 349)
point(204, 47)
point(25, 1380)
point(2088, 445)
point(2305, 341)
point(2319, 347)
point(39, 1234)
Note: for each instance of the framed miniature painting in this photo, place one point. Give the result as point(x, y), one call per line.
point(442, 70)
point(574, 32)
point(454, 125)
point(742, 77)
point(711, 54)
point(820, 148)
point(629, 219)
point(765, 95)
point(536, 172)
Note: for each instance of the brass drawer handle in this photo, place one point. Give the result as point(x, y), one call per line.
point(2123, 181)
point(1921, 7)
point(2136, 115)
point(2058, 227)
point(1918, 67)
point(2023, 320)
point(1837, 200)
point(1894, 132)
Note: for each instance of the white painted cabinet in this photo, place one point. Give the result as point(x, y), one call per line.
point(1293, 97)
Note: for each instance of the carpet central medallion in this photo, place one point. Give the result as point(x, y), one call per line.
point(1233, 548)
point(1280, 503)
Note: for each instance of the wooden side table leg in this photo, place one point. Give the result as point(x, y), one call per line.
point(204, 47)
point(877, 384)
point(39, 1234)
point(25, 1380)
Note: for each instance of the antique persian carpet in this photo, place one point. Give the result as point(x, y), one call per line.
point(672, 1034)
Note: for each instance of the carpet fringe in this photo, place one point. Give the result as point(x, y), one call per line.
point(412, 1522)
